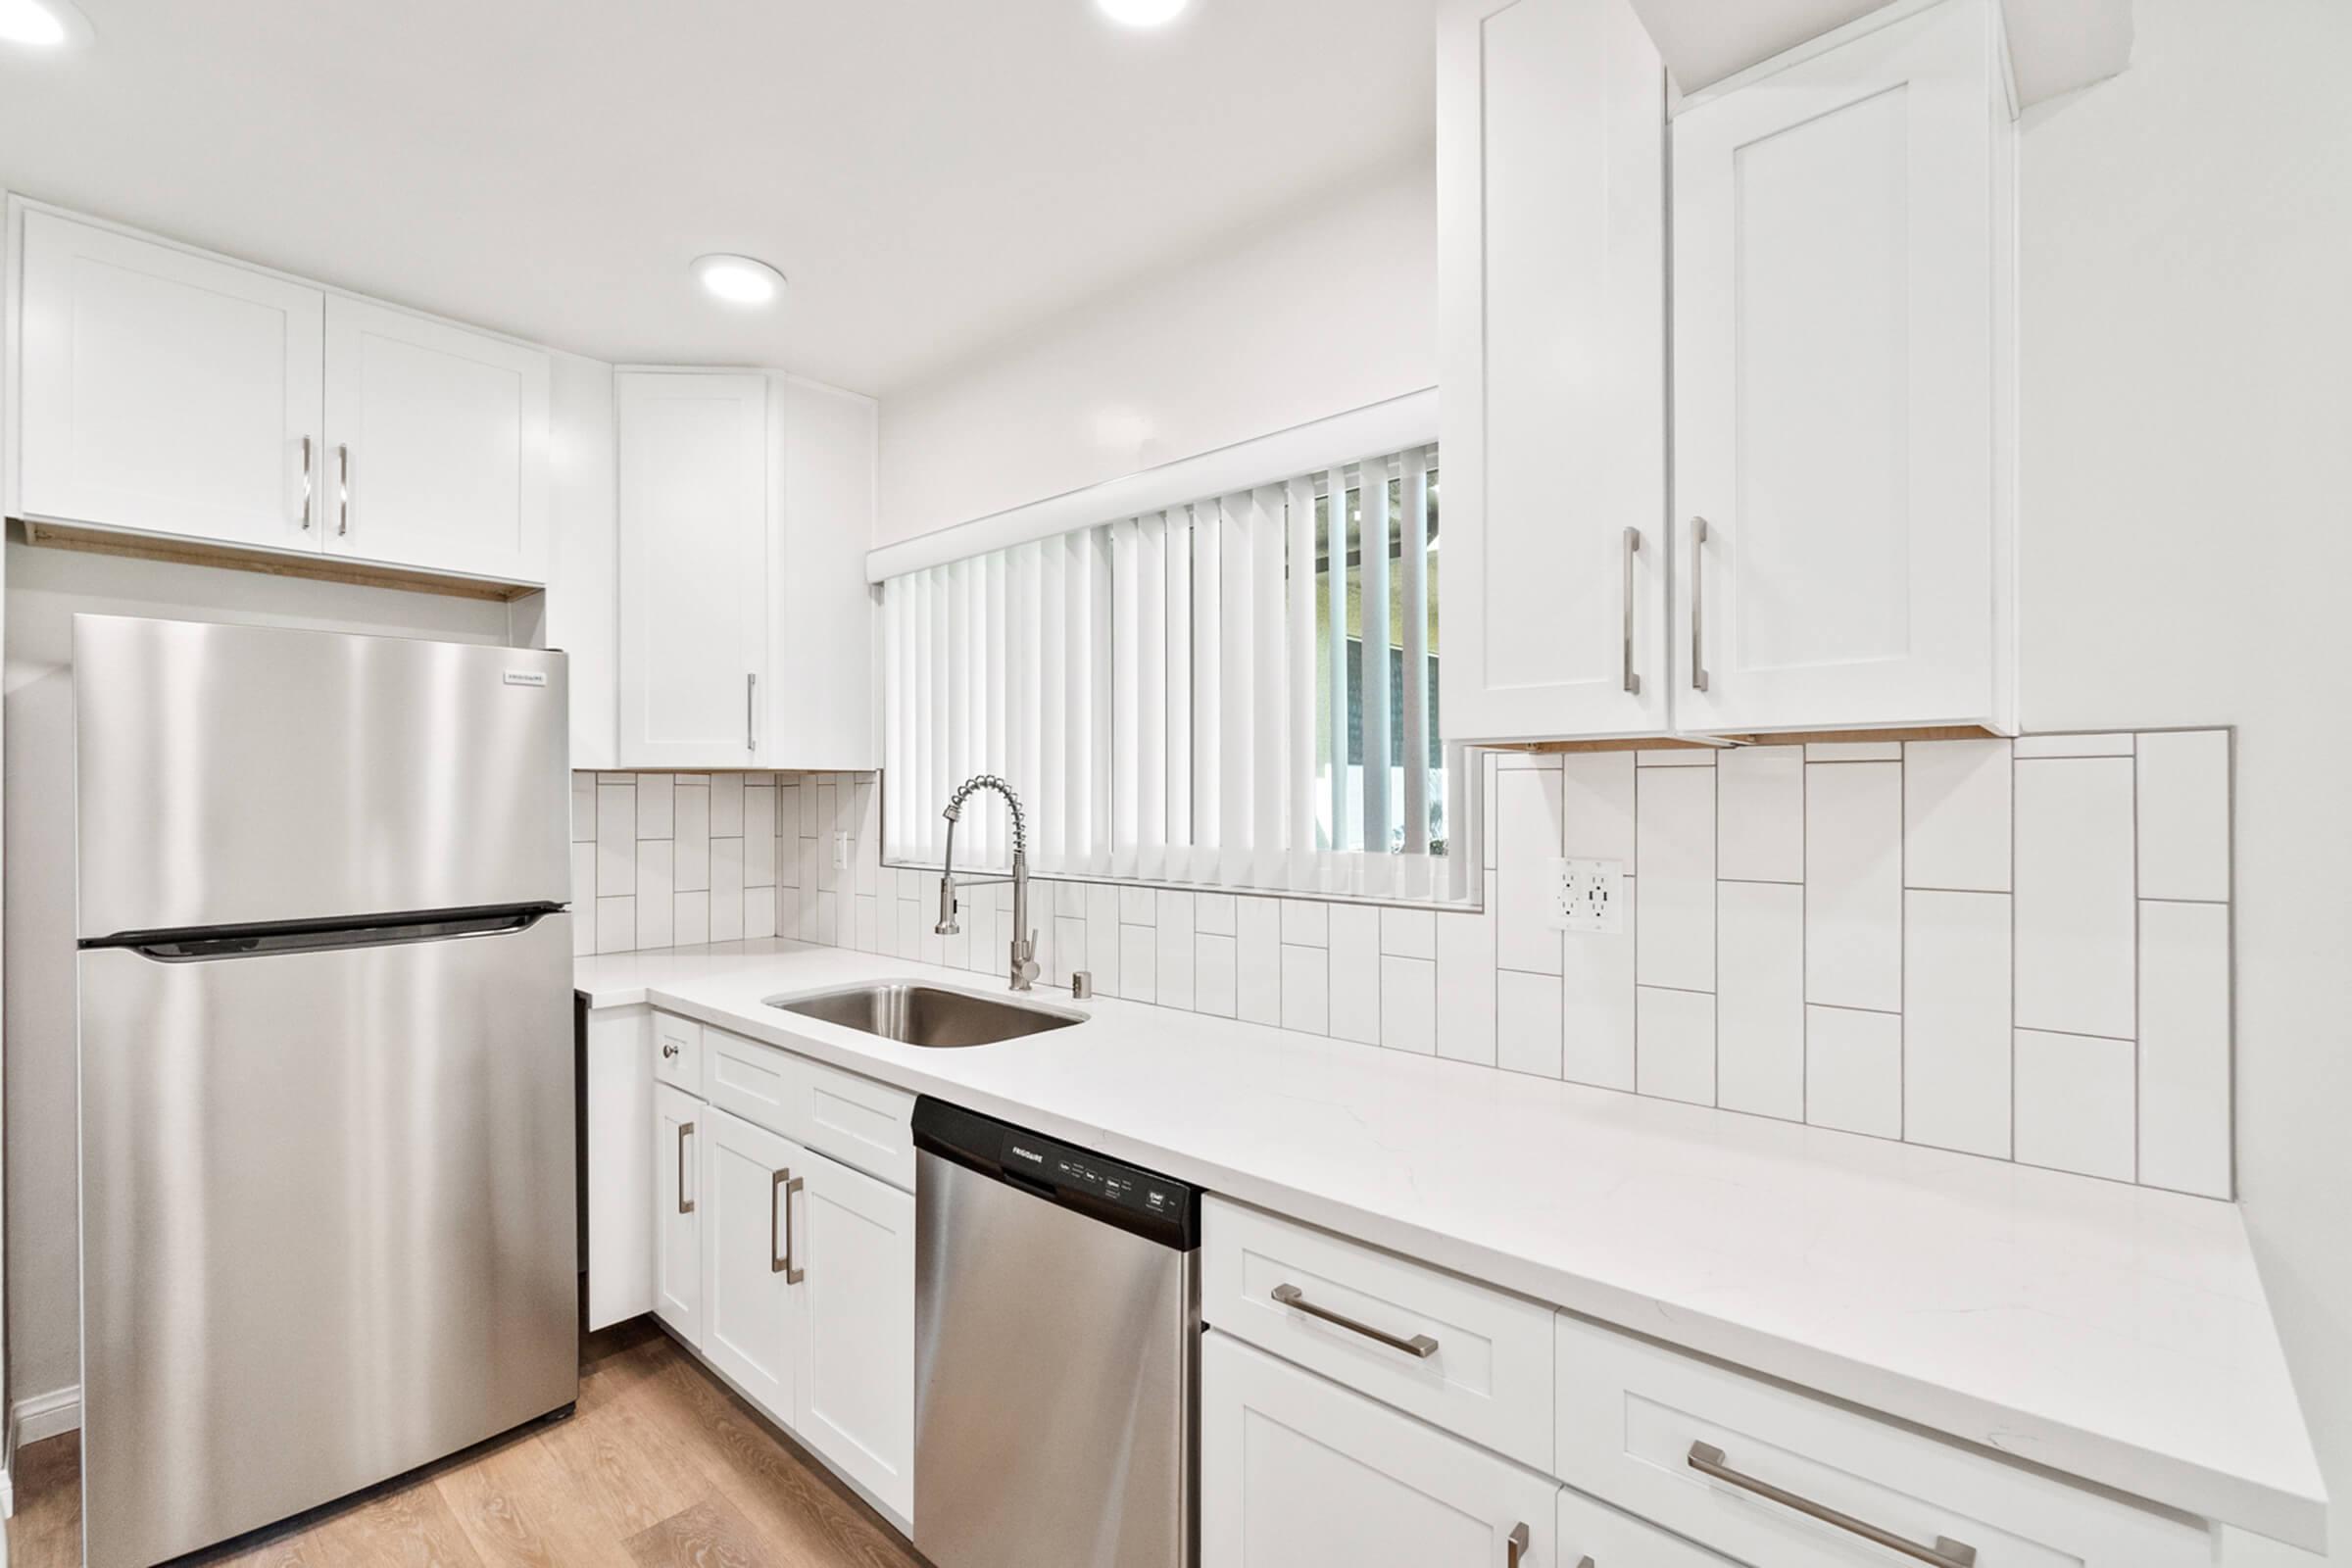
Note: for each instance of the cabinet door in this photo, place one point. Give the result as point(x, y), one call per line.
point(1552, 351)
point(1593, 1536)
point(618, 1194)
point(679, 1121)
point(1297, 1470)
point(437, 445)
point(750, 1314)
point(167, 392)
point(1840, 288)
point(854, 1241)
point(693, 567)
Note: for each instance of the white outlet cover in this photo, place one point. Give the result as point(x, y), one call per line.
point(841, 851)
point(1587, 896)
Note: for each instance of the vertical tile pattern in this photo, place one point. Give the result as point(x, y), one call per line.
point(2185, 1100)
point(2075, 935)
point(2183, 805)
point(1760, 973)
point(1527, 1022)
point(1762, 810)
point(1676, 1043)
point(1356, 972)
point(1854, 885)
point(2015, 951)
point(1854, 1070)
point(1956, 1012)
point(1674, 856)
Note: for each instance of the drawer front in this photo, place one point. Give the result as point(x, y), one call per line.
point(678, 1052)
point(1488, 1377)
point(1779, 1480)
point(1297, 1470)
point(863, 1124)
point(1595, 1536)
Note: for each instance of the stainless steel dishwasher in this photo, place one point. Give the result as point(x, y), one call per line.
point(1057, 1338)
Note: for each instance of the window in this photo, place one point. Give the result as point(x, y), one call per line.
point(1240, 691)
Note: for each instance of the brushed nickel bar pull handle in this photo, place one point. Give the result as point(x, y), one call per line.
point(1633, 547)
point(1514, 1546)
point(780, 1196)
point(751, 708)
point(1420, 1346)
point(685, 1203)
point(1698, 605)
point(1707, 1460)
point(343, 501)
point(308, 492)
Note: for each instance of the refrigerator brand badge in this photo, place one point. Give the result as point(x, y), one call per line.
point(526, 677)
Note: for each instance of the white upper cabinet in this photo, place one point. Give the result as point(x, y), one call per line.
point(167, 392)
point(1842, 278)
point(1551, 198)
point(437, 445)
point(172, 393)
point(694, 590)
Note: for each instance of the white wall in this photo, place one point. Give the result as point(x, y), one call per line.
point(1329, 310)
point(45, 589)
point(2186, 534)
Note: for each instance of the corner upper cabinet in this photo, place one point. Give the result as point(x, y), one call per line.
point(1843, 305)
point(694, 524)
point(436, 445)
point(1551, 197)
point(167, 392)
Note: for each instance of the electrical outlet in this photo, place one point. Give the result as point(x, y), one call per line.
point(1588, 897)
point(841, 851)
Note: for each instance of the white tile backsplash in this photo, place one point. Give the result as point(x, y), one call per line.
point(2076, 922)
point(2019, 951)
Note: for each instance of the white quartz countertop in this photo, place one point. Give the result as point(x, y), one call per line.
point(2110, 1332)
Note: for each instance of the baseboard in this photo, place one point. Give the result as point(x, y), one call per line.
point(44, 1415)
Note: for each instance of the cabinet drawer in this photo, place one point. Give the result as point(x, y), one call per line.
point(1488, 1377)
point(1638, 1422)
point(1297, 1470)
point(1595, 1536)
point(861, 1123)
point(678, 1052)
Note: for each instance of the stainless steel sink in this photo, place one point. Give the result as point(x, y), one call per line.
point(917, 1014)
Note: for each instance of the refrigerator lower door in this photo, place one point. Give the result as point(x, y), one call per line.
point(327, 1223)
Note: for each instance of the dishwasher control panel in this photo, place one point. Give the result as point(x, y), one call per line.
point(1092, 1174)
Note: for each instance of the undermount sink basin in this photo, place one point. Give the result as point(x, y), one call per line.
point(916, 1014)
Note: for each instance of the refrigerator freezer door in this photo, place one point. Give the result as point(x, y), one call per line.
point(327, 1223)
point(241, 775)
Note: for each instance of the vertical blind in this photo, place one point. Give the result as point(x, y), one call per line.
point(1181, 696)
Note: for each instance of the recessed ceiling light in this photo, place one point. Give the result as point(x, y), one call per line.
point(1141, 13)
point(737, 280)
point(42, 23)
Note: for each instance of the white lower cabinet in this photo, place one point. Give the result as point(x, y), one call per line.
point(793, 1275)
point(1593, 1535)
point(853, 1238)
point(677, 1219)
point(750, 1309)
point(1295, 1469)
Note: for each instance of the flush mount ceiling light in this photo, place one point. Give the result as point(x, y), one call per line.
point(736, 279)
point(1141, 13)
point(42, 25)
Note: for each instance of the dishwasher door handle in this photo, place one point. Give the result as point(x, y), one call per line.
point(1420, 1346)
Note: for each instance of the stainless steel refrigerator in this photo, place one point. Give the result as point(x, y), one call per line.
point(328, 1183)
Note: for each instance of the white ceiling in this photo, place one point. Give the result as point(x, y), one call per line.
point(933, 176)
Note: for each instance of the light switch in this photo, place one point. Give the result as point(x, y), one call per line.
point(1589, 895)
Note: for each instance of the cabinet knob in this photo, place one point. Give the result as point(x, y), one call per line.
point(669, 1049)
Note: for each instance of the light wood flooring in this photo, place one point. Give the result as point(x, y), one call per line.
point(661, 1467)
